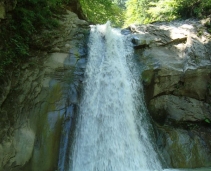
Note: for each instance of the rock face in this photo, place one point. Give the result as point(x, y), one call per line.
point(42, 96)
point(179, 109)
point(175, 59)
point(36, 100)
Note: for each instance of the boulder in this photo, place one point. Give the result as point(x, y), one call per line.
point(178, 109)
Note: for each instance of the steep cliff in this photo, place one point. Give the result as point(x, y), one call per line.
point(175, 59)
point(41, 95)
point(37, 96)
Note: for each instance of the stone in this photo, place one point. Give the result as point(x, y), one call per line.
point(56, 49)
point(193, 82)
point(179, 109)
point(81, 63)
point(81, 22)
point(18, 150)
point(24, 144)
point(147, 77)
point(67, 45)
point(41, 94)
point(196, 83)
point(184, 149)
point(176, 74)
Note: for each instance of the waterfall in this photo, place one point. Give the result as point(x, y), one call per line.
point(111, 134)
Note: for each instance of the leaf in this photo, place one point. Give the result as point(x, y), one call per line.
point(207, 121)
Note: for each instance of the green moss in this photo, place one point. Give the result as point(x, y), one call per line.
point(147, 76)
point(46, 151)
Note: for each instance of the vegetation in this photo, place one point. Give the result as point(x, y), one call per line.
point(27, 20)
point(147, 11)
point(136, 11)
point(31, 16)
point(100, 11)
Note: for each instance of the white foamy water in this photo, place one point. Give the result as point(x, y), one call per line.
point(109, 134)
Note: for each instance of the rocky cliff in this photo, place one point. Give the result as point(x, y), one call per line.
point(175, 59)
point(39, 97)
point(42, 96)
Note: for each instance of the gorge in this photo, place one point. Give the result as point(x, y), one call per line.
point(95, 89)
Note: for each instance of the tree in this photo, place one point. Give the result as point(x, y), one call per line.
point(136, 11)
point(100, 11)
point(147, 11)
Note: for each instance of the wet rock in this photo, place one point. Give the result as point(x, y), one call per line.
point(35, 101)
point(193, 83)
point(176, 76)
point(67, 45)
point(18, 150)
point(185, 148)
point(179, 109)
point(81, 63)
point(126, 31)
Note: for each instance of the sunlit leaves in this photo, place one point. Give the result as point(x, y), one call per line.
point(137, 11)
point(100, 11)
point(163, 10)
point(147, 11)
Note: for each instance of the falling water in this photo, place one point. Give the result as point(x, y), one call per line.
point(109, 136)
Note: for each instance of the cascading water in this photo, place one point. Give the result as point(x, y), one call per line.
point(109, 136)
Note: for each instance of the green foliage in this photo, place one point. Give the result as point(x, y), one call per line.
point(147, 11)
point(100, 11)
point(27, 20)
point(208, 27)
point(120, 3)
point(194, 8)
point(207, 121)
point(136, 11)
point(163, 10)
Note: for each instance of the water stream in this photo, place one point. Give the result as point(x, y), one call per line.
point(108, 136)
point(112, 126)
